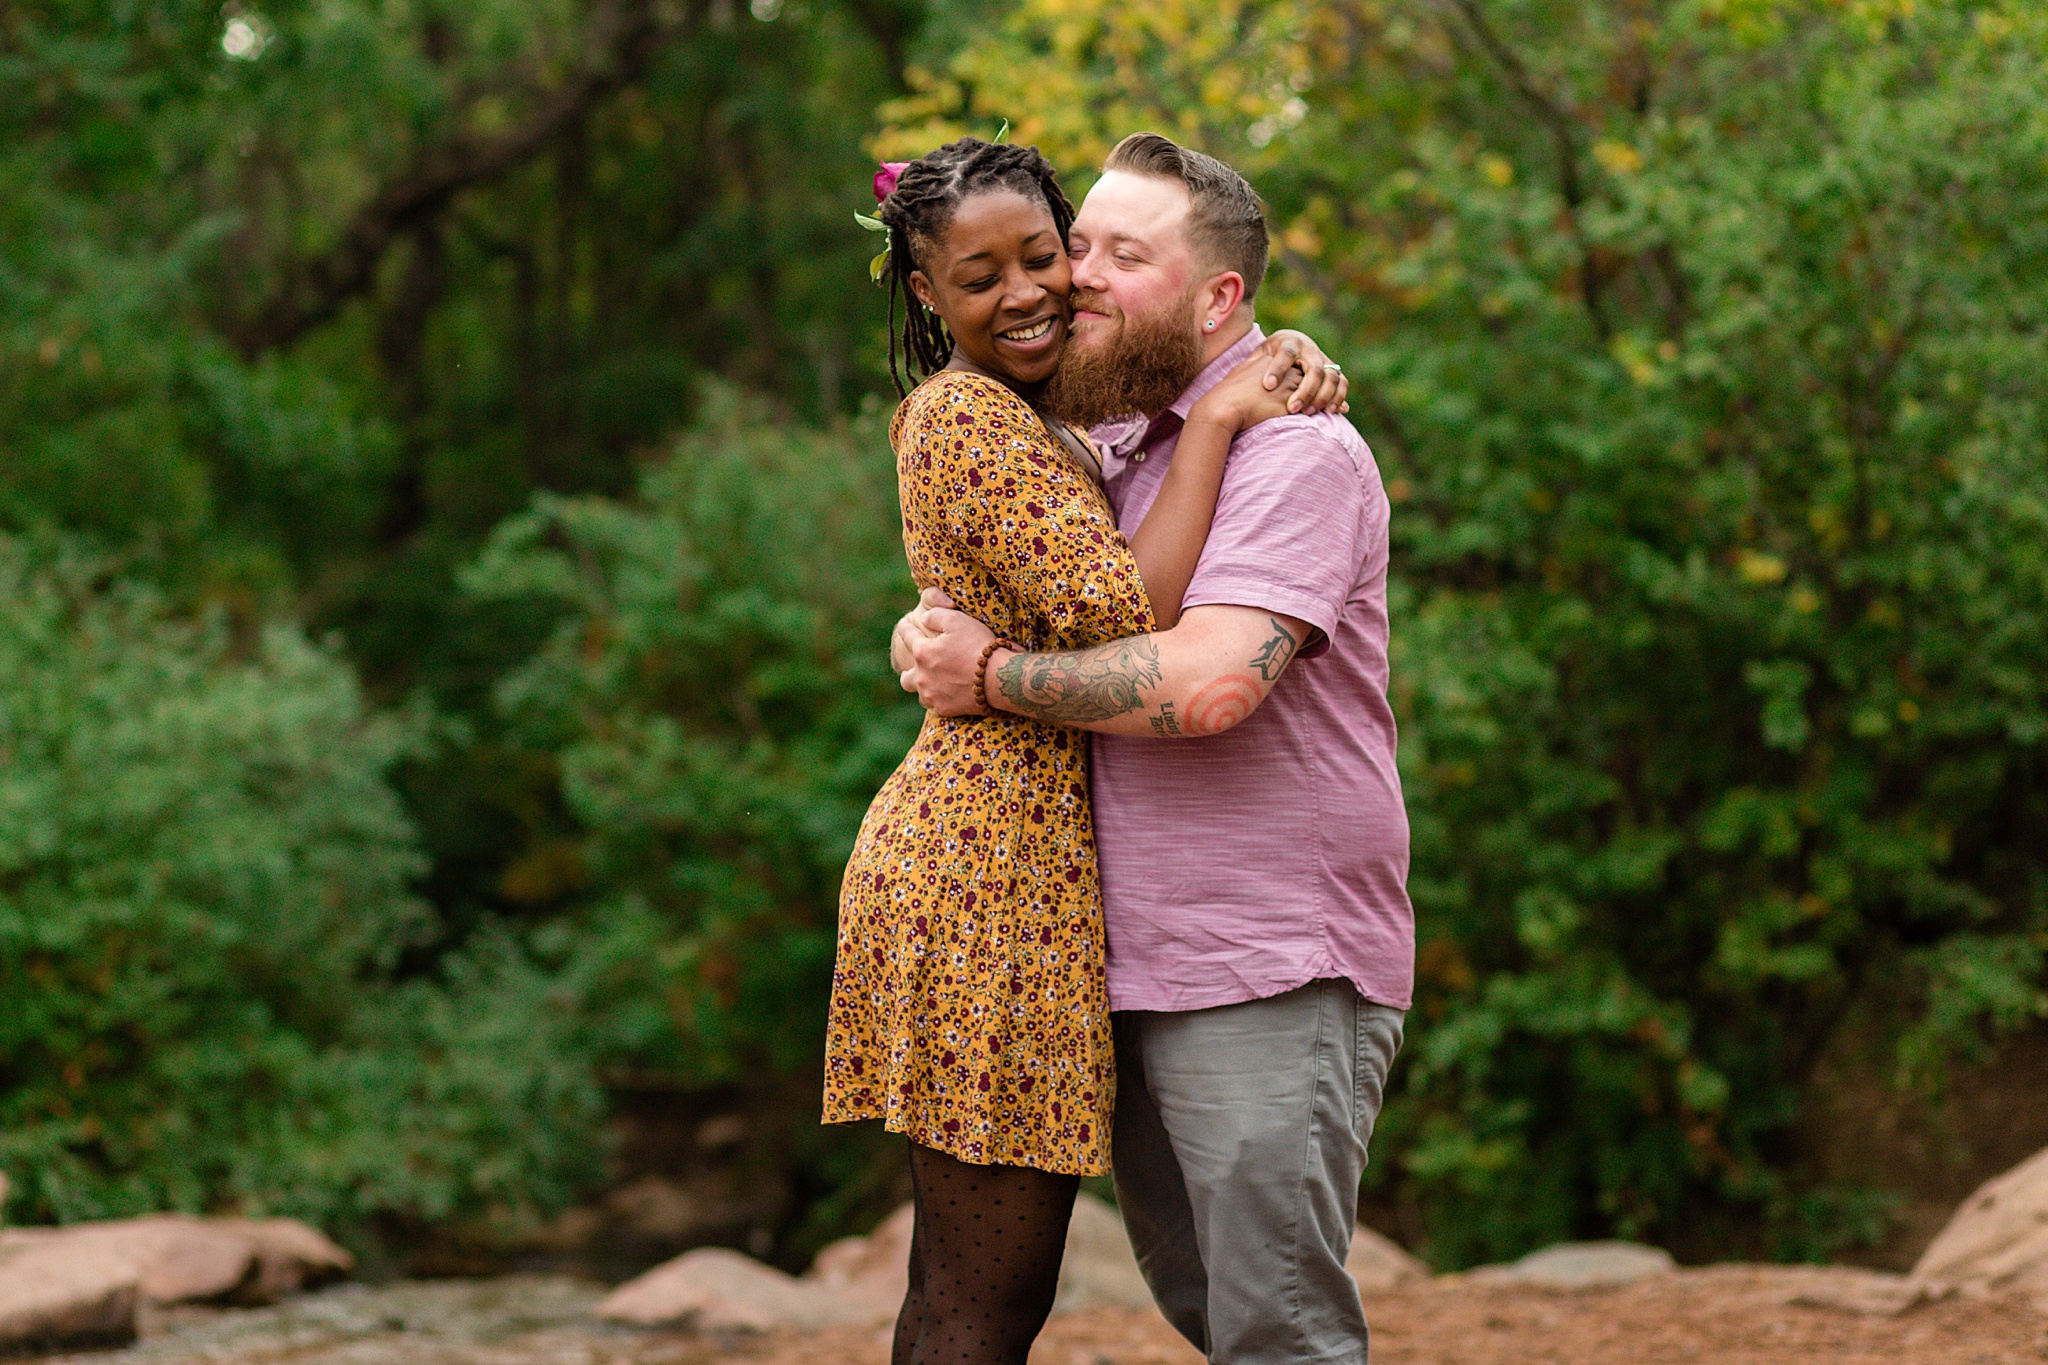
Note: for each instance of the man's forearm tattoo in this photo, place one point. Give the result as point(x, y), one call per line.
point(1274, 655)
point(1164, 724)
point(1081, 686)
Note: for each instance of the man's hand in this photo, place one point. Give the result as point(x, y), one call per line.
point(943, 659)
point(909, 630)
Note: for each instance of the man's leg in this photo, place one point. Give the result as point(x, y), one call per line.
point(1267, 1108)
point(1151, 1194)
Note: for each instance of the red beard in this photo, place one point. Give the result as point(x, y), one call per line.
point(1137, 370)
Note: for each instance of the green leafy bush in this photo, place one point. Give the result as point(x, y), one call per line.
point(718, 701)
point(1724, 592)
point(203, 896)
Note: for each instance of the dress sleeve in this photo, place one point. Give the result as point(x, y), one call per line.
point(1018, 507)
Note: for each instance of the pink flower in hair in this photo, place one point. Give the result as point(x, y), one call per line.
point(885, 179)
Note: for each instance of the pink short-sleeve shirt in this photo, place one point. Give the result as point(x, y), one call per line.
point(1245, 864)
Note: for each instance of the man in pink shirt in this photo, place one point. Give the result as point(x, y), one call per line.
point(1261, 943)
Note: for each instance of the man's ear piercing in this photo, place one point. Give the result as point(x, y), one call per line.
point(1210, 324)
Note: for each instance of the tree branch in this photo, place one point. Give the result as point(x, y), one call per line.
point(1557, 121)
point(622, 37)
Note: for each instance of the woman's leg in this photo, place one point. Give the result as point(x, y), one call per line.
point(984, 1261)
point(911, 1319)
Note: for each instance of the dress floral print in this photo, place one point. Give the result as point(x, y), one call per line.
point(969, 1009)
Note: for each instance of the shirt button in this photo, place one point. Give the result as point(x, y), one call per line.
point(1138, 458)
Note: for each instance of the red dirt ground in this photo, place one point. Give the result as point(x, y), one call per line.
point(1711, 1315)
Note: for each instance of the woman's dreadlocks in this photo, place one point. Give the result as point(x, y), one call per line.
point(918, 212)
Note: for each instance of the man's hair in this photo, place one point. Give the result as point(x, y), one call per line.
point(1226, 221)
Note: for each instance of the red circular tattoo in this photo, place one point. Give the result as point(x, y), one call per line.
point(1222, 704)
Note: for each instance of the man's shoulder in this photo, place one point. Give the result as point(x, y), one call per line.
point(1312, 440)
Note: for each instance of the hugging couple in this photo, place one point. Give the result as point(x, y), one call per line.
point(1145, 535)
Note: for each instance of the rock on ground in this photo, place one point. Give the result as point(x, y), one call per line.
point(1379, 1264)
point(290, 1257)
point(856, 1280)
point(1100, 1270)
point(712, 1289)
point(180, 1259)
point(61, 1294)
point(872, 1272)
point(1581, 1265)
point(1835, 1288)
point(85, 1282)
point(1997, 1239)
point(853, 1280)
point(171, 1259)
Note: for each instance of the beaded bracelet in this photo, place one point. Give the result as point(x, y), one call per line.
point(981, 674)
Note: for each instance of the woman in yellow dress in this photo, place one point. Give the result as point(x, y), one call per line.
point(969, 1009)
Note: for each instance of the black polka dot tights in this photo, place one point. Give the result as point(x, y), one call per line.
point(984, 1260)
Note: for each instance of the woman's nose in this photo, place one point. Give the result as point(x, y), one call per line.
point(1020, 291)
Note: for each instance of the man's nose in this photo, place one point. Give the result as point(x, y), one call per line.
point(1087, 273)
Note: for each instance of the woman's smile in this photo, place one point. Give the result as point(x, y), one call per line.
point(1029, 340)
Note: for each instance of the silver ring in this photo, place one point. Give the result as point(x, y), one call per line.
point(1333, 365)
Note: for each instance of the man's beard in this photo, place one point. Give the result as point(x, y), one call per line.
point(1139, 369)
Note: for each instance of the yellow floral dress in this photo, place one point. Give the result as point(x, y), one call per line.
point(969, 1009)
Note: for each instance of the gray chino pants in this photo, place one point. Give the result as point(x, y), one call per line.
point(1239, 1143)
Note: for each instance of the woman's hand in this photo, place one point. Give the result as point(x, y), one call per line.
point(1251, 393)
point(1323, 385)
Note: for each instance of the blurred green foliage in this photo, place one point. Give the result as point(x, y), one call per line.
point(203, 895)
point(297, 303)
point(1700, 342)
point(717, 701)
